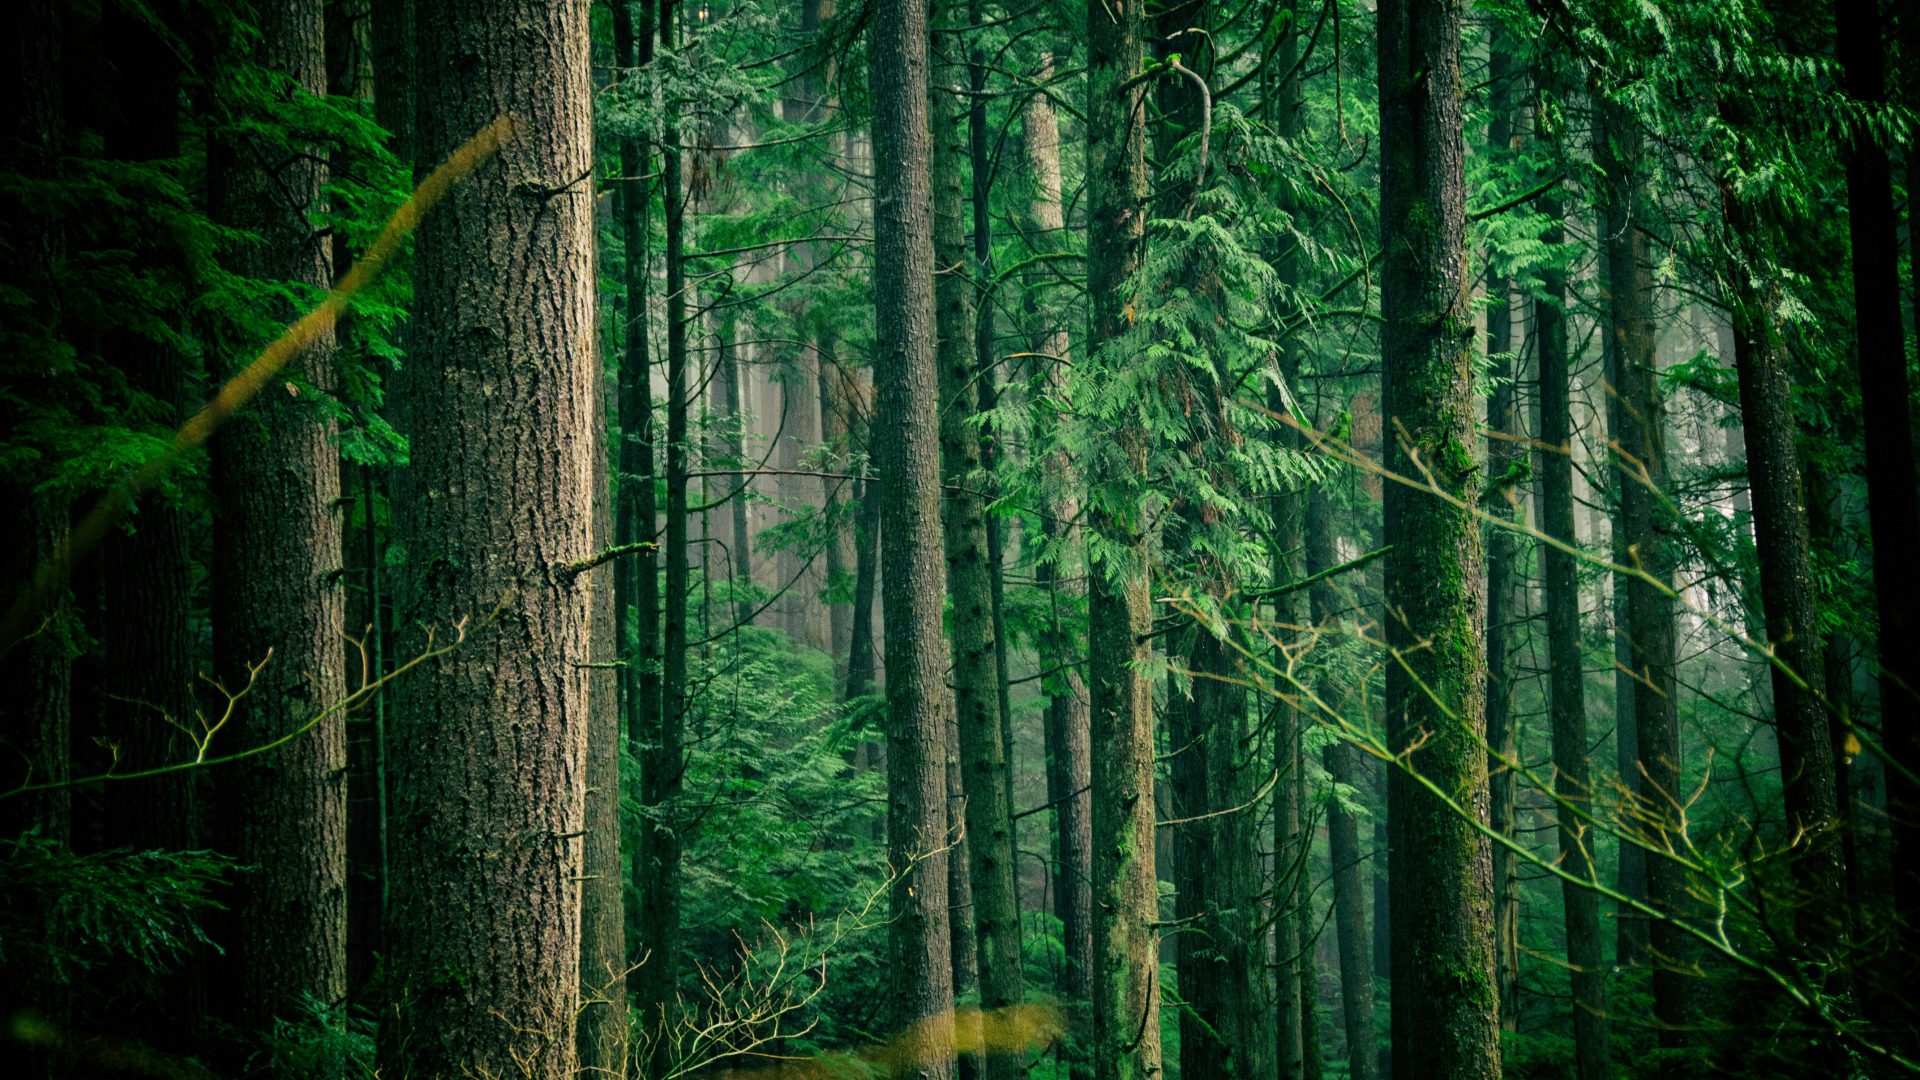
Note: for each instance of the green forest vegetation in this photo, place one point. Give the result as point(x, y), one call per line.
point(1124, 540)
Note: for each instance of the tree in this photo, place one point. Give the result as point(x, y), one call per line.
point(499, 404)
point(969, 568)
point(1124, 986)
point(277, 557)
point(906, 456)
point(1445, 1007)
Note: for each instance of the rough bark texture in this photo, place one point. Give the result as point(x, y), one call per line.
point(499, 402)
point(970, 569)
point(907, 458)
point(1893, 496)
point(1639, 444)
point(1124, 988)
point(1566, 677)
point(1781, 540)
point(277, 563)
point(1445, 1005)
point(1345, 765)
point(1505, 461)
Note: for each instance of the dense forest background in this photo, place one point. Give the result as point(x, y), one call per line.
point(1203, 538)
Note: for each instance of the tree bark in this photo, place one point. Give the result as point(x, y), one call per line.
point(1345, 765)
point(1505, 461)
point(499, 398)
point(277, 564)
point(906, 455)
point(970, 570)
point(1445, 1004)
point(1639, 439)
point(1893, 507)
point(1125, 990)
point(1566, 676)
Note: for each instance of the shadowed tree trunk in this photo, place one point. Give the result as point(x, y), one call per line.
point(277, 571)
point(500, 406)
point(907, 458)
point(1445, 1004)
point(1639, 444)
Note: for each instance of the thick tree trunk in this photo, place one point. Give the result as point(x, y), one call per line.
point(1639, 444)
point(1893, 496)
point(499, 397)
point(1125, 990)
point(277, 564)
point(970, 569)
point(1445, 1004)
point(907, 457)
point(1345, 764)
point(1566, 677)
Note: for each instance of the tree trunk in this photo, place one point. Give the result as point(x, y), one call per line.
point(1345, 765)
point(393, 75)
point(1068, 764)
point(636, 579)
point(277, 563)
point(1445, 1004)
point(1566, 676)
point(1639, 440)
point(1505, 461)
point(1893, 508)
point(906, 455)
point(970, 570)
point(499, 397)
point(1125, 989)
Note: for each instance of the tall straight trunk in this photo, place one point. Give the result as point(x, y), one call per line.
point(636, 578)
point(1637, 431)
point(1345, 765)
point(860, 666)
point(1445, 1005)
point(663, 760)
point(1787, 592)
point(277, 562)
point(1124, 987)
point(499, 404)
point(906, 452)
point(1893, 495)
point(1293, 961)
point(837, 396)
point(1068, 764)
point(601, 1034)
point(970, 569)
point(1504, 463)
point(1203, 1045)
point(1566, 678)
point(740, 535)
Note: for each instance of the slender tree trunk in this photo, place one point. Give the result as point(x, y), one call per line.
point(741, 573)
point(1893, 507)
point(1566, 677)
point(393, 75)
point(1504, 464)
point(277, 571)
point(860, 667)
point(970, 568)
point(1068, 764)
point(663, 760)
point(601, 1034)
point(906, 456)
point(1203, 1045)
point(1345, 765)
point(636, 578)
point(1639, 444)
point(1125, 990)
point(1445, 1005)
point(499, 397)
